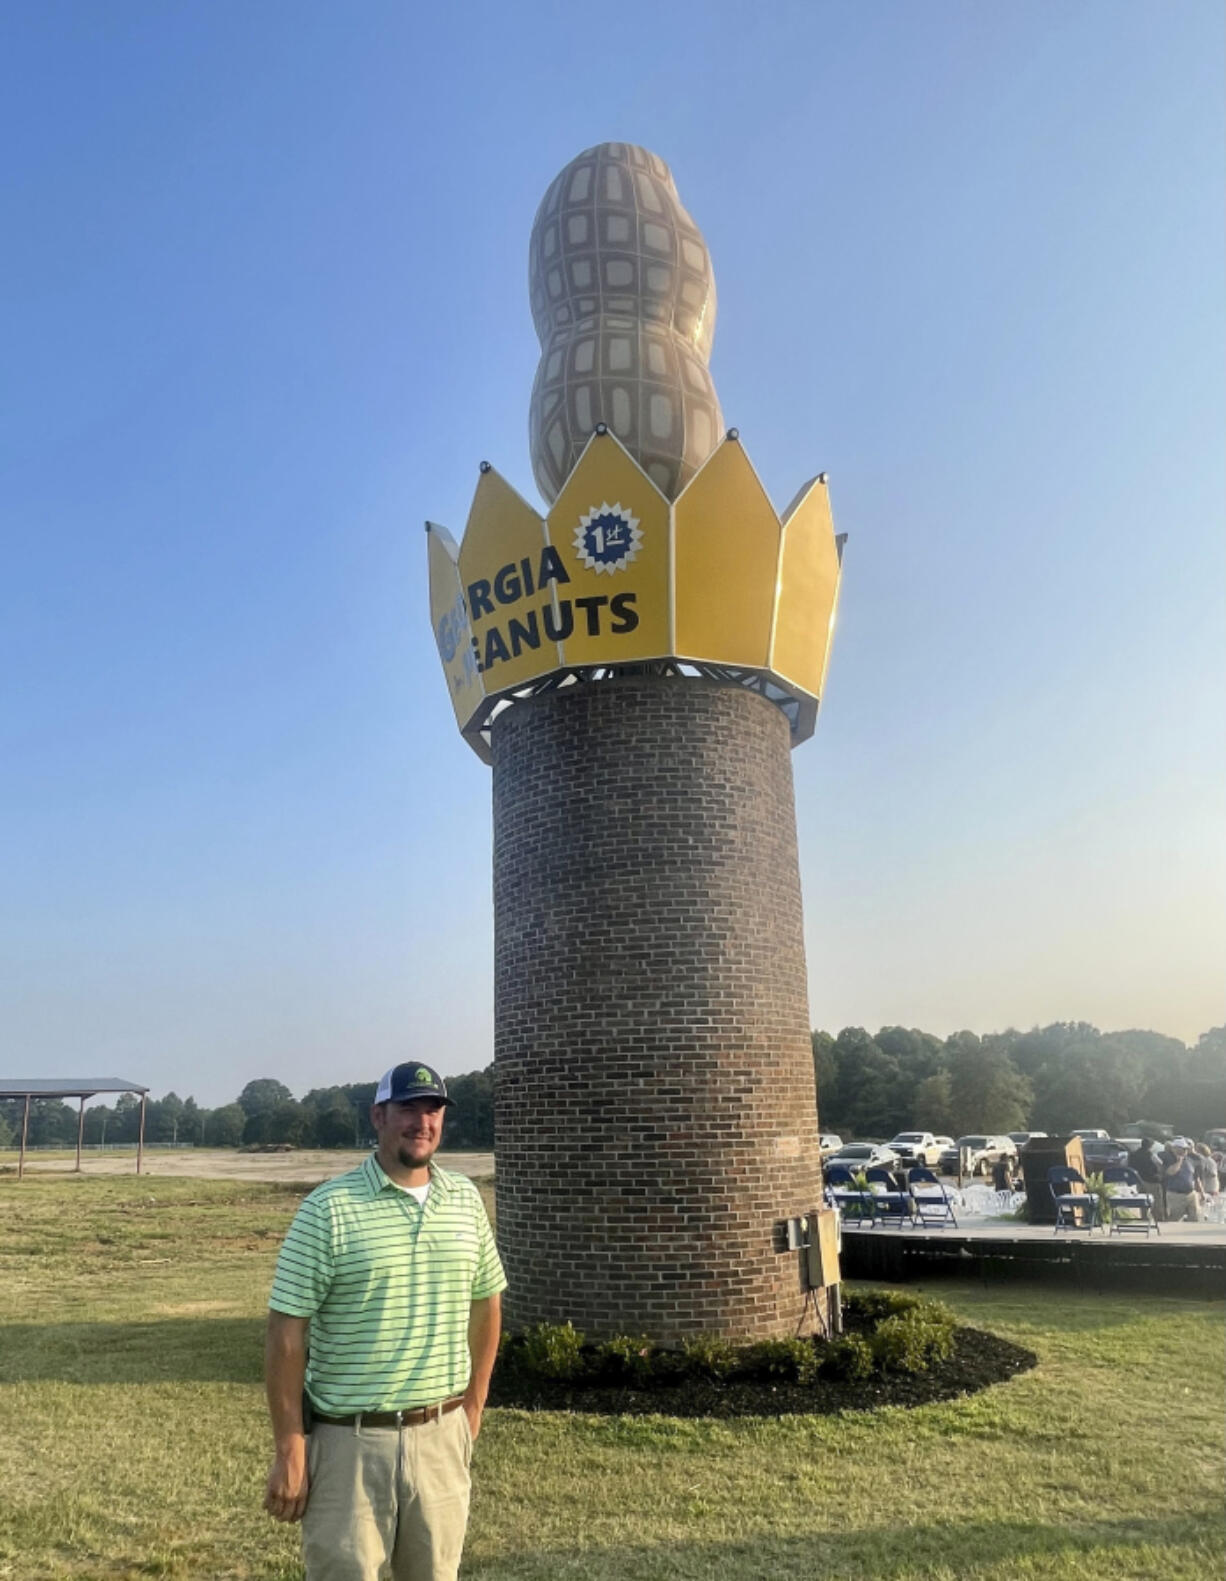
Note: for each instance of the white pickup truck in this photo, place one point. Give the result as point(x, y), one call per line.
point(917, 1147)
point(975, 1155)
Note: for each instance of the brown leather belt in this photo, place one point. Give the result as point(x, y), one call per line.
point(414, 1418)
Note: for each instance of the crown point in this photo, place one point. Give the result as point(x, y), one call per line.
point(485, 467)
point(734, 433)
point(823, 477)
point(602, 428)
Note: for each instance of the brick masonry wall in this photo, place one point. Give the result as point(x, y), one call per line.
point(655, 1113)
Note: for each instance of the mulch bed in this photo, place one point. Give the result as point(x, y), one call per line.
point(979, 1359)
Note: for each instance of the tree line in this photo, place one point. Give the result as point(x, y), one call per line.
point(265, 1112)
point(1052, 1079)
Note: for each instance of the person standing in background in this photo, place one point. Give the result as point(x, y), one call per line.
point(1179, 1179)
point(1206, 1171)
point(1147, 1165)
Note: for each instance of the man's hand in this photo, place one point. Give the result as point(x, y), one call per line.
point(474, 1409)
point(285, 1497)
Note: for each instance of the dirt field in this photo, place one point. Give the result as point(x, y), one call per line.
point(309, 1165)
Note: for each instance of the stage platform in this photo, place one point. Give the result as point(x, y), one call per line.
point(1184, 1259)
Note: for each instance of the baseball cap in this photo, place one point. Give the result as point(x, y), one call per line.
point(403, 1083)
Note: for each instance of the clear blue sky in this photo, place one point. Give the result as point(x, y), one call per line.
point(265, 310)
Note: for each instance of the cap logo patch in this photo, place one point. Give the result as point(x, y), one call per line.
point(425, 1077)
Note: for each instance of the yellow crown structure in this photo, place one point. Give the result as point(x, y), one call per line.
point(715, 583)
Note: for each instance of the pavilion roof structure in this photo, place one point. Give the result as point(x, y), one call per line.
point(65, 1086)
point(79, 1087)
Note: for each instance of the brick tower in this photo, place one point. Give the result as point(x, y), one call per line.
point(636, 666)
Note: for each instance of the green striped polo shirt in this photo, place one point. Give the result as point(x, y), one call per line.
point(387, 1285)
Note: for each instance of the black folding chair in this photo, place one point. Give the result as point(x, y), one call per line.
point(893, 1206)
point(1063, 1179)
point(1130, 1196)
point(933, 1204)
point(854, 1204)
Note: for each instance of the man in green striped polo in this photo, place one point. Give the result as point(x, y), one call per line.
point(382, 1330)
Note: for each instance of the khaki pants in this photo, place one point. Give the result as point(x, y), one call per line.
point(1182, 1205)
point(387, 1503)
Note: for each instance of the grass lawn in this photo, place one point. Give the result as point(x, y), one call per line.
point(133, 1439)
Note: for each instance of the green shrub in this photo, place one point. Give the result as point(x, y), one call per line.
point(791, 1360)
point(913, 1341)
point(887, 1331)
point(551, 1350)
point(870, 1306)
point(849, 1357)
point(710, 1357)
point(625, 1359)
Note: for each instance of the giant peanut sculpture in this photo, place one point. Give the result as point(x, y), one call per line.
point(623, 299)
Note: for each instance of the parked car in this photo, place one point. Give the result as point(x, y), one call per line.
point(1020, 1138)
point(1093, 1135)
point(916, 1147)
point(1215, 1140)
point(829, 1143)
point(864, 1155)
point(983, 1152)
point(1100, 1153)
point(1150, 1130)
